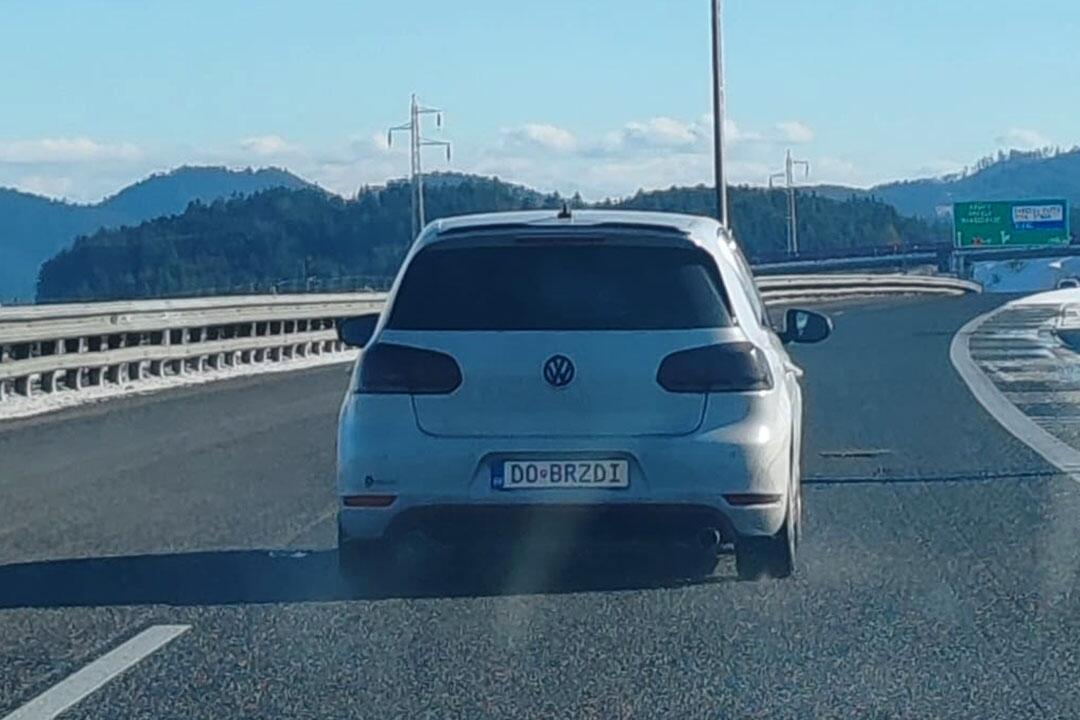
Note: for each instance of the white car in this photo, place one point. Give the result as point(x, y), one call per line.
point(577, 378)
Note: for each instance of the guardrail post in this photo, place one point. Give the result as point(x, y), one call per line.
point(115, 374)
point(3, 390)
point(5, 353)
point(25, 385)
point(48, 381)
point(73, 379)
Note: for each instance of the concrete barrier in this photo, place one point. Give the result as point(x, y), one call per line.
point(45, 348)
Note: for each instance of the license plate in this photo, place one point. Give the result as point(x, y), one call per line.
point(571, 474)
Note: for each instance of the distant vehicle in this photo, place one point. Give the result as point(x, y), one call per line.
point(588, 378)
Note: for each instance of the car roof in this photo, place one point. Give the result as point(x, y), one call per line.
point(694, 226)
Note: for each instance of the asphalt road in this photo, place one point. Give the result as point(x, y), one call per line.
point(938, 577)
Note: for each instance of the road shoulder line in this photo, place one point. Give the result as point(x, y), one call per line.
point(90, 678)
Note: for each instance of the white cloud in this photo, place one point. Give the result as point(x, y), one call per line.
point(64, 150)
point(658, 132)
point(539, 136)
point(937, 168)
point(56, 187)
point(267, 145)
point(1022, 139)
point(733, 134)
point(379, 142)
point(794, 131)
point(644, 153)
point(835, 170)
point(673, 134)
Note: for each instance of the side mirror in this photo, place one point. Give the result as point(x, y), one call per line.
point(357, 331)
point(805, 327)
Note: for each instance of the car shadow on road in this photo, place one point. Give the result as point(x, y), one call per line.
point(261, 576)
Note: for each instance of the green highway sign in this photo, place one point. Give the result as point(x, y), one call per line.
point(1028, 223)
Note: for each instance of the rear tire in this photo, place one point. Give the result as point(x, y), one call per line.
point(360, 561)
point(771, 557)
point(759, 558)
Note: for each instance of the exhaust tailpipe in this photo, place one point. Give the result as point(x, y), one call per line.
point(708, 538)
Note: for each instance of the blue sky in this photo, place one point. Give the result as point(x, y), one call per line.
point(601, 96)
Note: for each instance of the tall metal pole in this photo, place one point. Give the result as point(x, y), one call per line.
point(417, 171)
point(793, 232)
point(718, 110)
point(788, 176)
point(416, 142)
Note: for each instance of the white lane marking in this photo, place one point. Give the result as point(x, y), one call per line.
point(75, 687)
point(1032, 397)
point(1057, 453)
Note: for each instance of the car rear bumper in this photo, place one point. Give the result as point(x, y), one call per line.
point(502, 525)
point(454, 523)
point(445, 484)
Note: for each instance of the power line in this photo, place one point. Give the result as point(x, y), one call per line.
point(416, 142)
point(788, 175)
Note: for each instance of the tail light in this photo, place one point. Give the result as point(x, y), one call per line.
point(390, 369)
point(748, 499)
point(731, 367)
point(368, 501)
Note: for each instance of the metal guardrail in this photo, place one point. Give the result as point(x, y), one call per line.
point(44, 348)
point(785, 288)
point(47, 347)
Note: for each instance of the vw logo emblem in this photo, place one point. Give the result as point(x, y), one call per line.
point(558, 371)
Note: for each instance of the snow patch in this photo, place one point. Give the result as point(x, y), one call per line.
point(1018, 276)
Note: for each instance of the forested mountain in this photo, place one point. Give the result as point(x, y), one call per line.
point(33, 228)
point(170, 193)
point(282, 238)
point(759, 219)
point(1040, 174)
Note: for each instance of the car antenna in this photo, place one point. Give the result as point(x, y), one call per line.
point(564, 214)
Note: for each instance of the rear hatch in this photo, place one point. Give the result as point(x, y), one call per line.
point(560, 337)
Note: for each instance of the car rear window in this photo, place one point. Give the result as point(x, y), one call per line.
point(560, 286)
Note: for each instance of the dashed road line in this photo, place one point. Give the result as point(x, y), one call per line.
point(82, 683)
